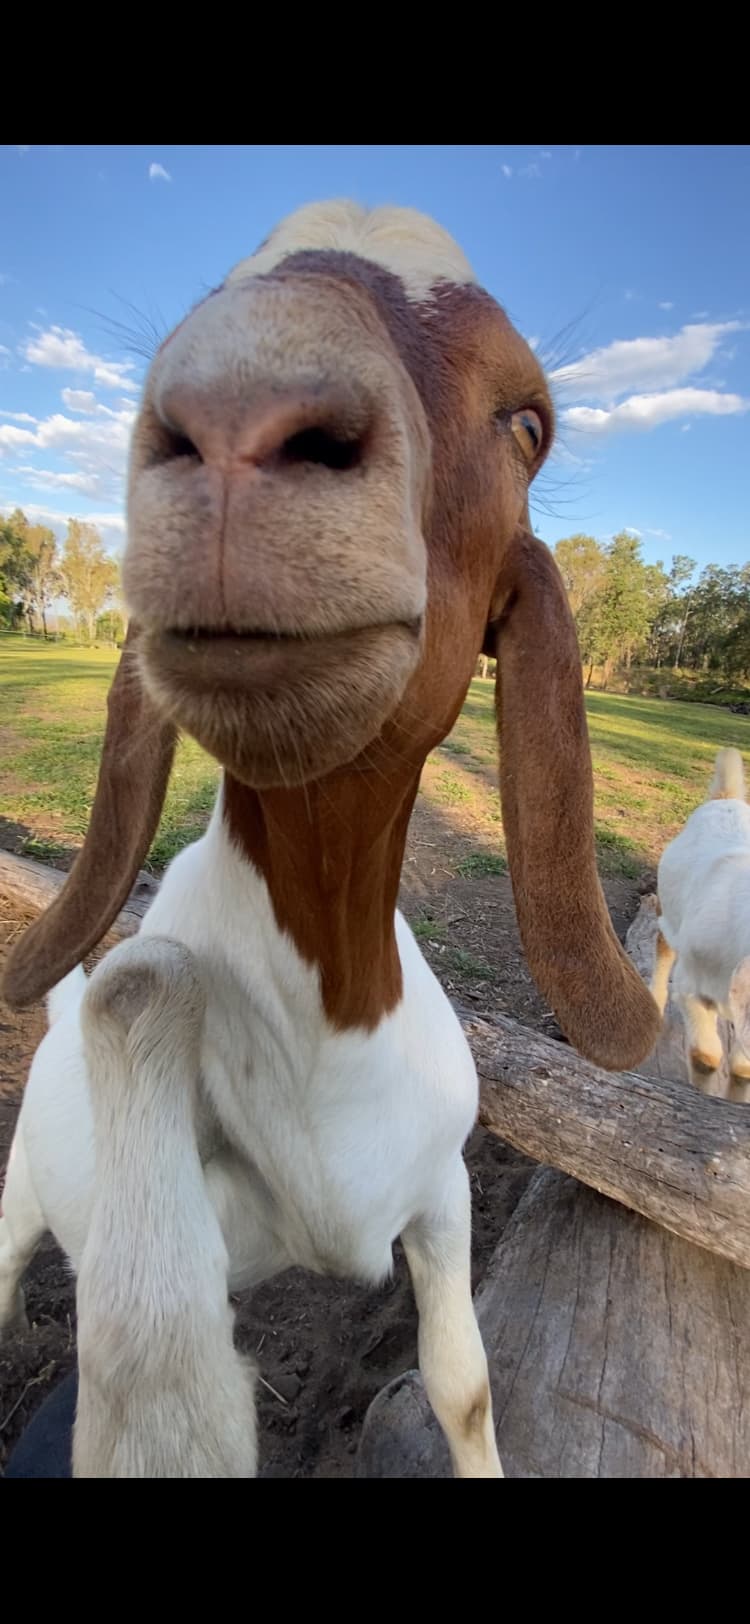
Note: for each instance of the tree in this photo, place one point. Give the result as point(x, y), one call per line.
point(624, 600)
point(45, 582)
point(581, 562)
point(88, 572)
point(15, 568)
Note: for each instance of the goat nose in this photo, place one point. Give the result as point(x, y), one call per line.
point(326, 427)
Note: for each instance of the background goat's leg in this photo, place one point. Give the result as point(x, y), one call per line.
point(162, 1392)
point(704, 1043)
point(451, 1355)
point(664, 957)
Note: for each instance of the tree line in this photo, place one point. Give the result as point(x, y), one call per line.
point(629, 612)
point(35, 573)
point(626, 612)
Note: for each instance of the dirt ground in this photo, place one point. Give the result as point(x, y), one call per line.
point(324, 1348)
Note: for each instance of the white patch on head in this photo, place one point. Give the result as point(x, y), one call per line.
point(410, 245)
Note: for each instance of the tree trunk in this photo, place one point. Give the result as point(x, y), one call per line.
point(614, 1349)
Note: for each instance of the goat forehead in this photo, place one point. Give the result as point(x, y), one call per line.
point(408, 244)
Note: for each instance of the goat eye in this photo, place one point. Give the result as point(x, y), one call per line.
point(528, 430)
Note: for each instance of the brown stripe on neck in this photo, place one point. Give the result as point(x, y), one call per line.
point(331, 856)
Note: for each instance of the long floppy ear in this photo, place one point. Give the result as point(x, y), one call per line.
point(133, 775)
point(546, 785)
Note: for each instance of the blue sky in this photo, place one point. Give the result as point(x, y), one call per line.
point(628, 268)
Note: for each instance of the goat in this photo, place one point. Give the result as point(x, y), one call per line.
point(327, 522)
point(703, 886)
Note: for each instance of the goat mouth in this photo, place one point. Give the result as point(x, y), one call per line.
point(247, 636)
point(210, 660)
point(285, 709)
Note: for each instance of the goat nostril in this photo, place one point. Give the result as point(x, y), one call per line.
point(167, 444)
point(178, 445)
point(322, 447)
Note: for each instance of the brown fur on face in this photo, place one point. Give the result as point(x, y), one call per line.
point(317, 623)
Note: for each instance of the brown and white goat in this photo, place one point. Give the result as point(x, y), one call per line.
point(326, 524)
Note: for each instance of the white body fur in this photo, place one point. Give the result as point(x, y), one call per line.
point(316, 1148)
point(704, 896)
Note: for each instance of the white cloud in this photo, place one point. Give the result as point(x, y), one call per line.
point(544, 153)
point(686, 427)
point(158, 172)
point(629, 294)
point(649, 411)
point(507, 171)
point(660, 535)
point(79, 400)
point(19, 417)
point(666, 304)
point(10, 437)
point(632, 530)
point(62, 348)
point(533, 342)
point(23, 150)
point(638, 364)
point(49, 479)
point(96, 446)
point(531, 172)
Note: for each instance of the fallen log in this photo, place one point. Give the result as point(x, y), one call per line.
point(661, 1147)
point(615, 1350)
point(35, 885)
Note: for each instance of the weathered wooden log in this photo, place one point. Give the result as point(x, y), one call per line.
point(650, 1140)
point(615, 1350)
point(660, 1147)
point(35, 885)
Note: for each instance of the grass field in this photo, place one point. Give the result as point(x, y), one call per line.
point(652, 762)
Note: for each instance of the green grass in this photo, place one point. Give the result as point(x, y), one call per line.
point(428, 929)
point(468, 964)
point(52, 714)
point(652, 763)
point(481, 862)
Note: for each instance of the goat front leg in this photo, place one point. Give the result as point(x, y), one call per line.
point(451, 1355)
point(162, 1392)
point(664, 957)
point(704, 1044)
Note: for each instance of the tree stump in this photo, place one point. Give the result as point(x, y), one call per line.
point(615, 1350)
point(617, 1347)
